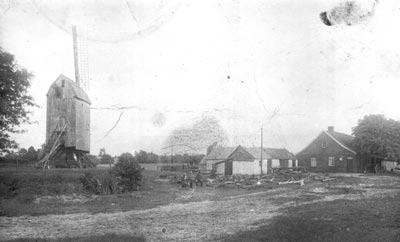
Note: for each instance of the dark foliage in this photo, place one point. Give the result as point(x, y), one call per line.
point(106, 159)
point(377, 136)
point(14, 99)
point(90, 161)
point(104, 184)
point(128, 173)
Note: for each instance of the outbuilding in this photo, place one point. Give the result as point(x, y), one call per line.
point(242, 160)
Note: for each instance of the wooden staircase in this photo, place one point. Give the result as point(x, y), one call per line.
point(52, 148)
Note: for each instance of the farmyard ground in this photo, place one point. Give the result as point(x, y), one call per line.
point(354, 207)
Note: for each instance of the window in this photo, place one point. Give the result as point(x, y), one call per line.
point(313, 162)
point(323, 145)
point(58, 92)
point(331, 161)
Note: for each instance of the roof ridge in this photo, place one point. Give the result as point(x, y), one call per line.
point(340, 133)
point(340, 143)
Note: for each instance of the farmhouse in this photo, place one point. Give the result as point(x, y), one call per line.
point(330, 151)
point(242, 160)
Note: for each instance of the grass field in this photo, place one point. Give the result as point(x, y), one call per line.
point(58, 191)
point(351, 208)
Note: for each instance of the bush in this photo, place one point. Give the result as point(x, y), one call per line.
point(128, 173)
point(105, 184)
point(90, 183)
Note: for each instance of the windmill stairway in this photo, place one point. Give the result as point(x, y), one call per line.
point(54, 148)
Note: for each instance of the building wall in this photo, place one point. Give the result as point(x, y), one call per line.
point(210, 163)
point(332, 149)
point(220, 169)
point(82, 125)
point(265, 167)
point(245, 167)
point(275, 163)
point(59, 112)
point(63, 107)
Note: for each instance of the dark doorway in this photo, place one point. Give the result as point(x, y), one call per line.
point(350, 164)
point(228, 168)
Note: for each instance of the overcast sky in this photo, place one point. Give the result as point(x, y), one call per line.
point(247, 63)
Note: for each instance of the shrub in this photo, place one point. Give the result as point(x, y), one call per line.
point(99, 183)
point(90, 183)
point(108, 184)
point(128, 173)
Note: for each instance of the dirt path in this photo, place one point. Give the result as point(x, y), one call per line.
point(195, 221)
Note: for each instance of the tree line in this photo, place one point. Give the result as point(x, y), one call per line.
point(143, 157)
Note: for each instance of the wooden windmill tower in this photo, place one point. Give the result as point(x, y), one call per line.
point(68, 121)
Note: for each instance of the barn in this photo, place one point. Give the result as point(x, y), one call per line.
point(68, 122)
point(274, 158)
point(330, 151)
point(242, 160)
point(215, 154)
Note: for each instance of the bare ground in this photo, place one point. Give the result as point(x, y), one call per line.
point(208, 220)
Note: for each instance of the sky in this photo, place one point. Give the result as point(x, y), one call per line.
point(250, 64)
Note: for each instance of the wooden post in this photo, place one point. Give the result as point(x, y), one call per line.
point(172, 153)
point(261, 155)
point(76, 61)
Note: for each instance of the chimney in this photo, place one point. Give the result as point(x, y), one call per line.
point(331, 128)
point(211, 148)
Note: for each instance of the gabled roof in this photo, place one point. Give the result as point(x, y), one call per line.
point(343, 140)
point(271, 153)
point(220, 153)
point(223, 153)
point(256, 152)
point(71, 89)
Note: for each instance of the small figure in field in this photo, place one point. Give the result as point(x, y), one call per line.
point(191, 179)
point(199, 179)
point(184, 180)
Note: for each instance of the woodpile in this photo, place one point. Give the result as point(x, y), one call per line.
point(279, 177)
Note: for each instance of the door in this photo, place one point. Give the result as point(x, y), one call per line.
point(228, 168)
point(349, 162)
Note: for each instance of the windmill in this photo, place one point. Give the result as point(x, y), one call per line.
point(68, 119)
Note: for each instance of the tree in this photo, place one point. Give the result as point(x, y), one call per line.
point(145, 157)
point(22, 152)
point(377, 138)
point(197, 137)
point(31, 155)
point(106, 159)
point(14, 99)
point(128, 172)
point(89, 161)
